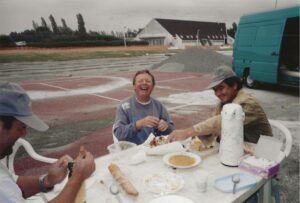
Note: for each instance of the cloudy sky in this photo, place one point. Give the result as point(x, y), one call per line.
point(107, 15)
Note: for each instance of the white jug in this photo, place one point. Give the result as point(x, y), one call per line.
point(232, 134)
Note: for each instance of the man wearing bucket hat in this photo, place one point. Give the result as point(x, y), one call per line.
point(15, 116)
point(227, 87)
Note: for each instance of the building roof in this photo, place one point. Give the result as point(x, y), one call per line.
point(187, 30)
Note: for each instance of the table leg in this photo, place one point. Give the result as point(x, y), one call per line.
point(265, 193)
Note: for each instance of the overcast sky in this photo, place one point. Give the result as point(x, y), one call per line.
point(107, 15)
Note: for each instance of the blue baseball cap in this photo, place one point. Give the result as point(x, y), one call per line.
point(15, 102)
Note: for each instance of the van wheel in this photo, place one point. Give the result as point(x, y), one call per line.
point(250, 82)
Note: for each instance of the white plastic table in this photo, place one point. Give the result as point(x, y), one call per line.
point(98, 184)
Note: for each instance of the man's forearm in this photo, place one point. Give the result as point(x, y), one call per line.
point(69, 193)
point(29, 185)
point(190, 132)
point(139, 124)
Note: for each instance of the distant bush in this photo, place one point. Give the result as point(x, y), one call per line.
point(90, 43)
point(43, 37)
point(6, 41)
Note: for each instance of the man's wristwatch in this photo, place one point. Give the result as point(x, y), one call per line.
point(42, 184)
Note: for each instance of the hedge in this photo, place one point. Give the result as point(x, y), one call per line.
point(84, 43)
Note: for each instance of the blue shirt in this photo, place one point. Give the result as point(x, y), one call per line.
point(130, 111)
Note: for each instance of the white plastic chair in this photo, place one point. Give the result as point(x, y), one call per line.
point(282, 133)
point(115, 139)
point(9, 160)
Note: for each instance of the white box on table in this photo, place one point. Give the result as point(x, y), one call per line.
point(264, 161)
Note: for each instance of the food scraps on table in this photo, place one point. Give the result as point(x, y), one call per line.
point(157, 141)
point(199, 145)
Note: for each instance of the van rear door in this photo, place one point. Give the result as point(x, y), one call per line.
point(264, 66)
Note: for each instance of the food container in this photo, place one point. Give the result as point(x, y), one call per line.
point(260, 166)
point(120, 146)
point(264, 161)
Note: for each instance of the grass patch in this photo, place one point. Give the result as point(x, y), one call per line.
point(78, 55)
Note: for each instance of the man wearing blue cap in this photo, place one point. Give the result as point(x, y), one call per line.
point(15, 116)
point(227, 87)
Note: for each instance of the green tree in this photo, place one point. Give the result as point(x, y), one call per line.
point(102, 32)
point(65, 29)
point(27, 35)
point(44, 24)
point(81, 26)
point(43, 32)
point(53, 24)
point(64, 24)
point(231, 31)
point(6, 41)
point(34, 25)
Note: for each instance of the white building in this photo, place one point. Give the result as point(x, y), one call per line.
point(182, 33)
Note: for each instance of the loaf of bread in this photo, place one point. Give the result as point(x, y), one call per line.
point(122, 180)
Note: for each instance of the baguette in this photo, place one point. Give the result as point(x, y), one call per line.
point(122, 180)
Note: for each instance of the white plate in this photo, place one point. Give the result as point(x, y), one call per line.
point(165, 149)
point(167, 157)
point(225, 183)
point(171, 199)
point(163, 183)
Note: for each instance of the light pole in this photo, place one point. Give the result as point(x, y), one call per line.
point(197, 36)
point(275, 3)
point(124, 37)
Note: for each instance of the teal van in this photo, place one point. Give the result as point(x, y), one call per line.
point(266, 48)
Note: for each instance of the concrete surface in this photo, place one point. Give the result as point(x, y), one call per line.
point(85, 118)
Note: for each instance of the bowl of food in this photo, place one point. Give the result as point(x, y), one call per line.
point(120, 146)
point(182, 159)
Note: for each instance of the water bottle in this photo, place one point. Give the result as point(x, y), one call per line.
point(232, 134)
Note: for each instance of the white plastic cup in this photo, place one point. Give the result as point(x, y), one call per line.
point(120, 146)
point(201, 182)
point(137, 158)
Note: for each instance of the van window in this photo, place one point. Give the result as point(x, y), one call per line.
point(289, 54)
point(246, 36)
point(268, 35)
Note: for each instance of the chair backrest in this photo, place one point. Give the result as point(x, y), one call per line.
point(9, 160)
point(115, 139)
point(282, 133)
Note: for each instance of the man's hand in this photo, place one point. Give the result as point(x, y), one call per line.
point(248, 149)
point(84, 164)
point(177, 135)
point(57, 171)
point(147, 122)
point(162, 125)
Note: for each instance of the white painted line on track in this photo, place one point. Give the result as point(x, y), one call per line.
point(109, 98)
point(94, 90)
point(170, 88)
point(182, 106)
point(55, 86)
point(177, 79)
